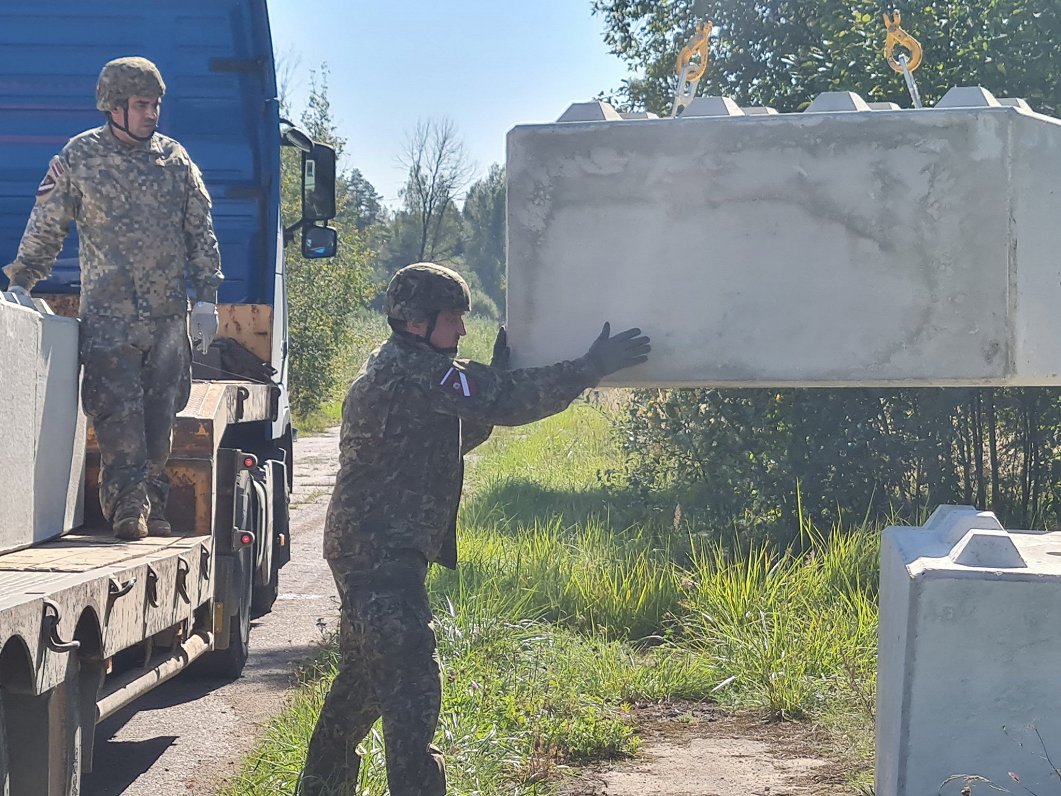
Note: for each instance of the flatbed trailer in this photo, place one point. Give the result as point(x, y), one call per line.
point(88, 622)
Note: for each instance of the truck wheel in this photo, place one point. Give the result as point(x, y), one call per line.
point(229, 663)
point(5, 775)
point(263, 597)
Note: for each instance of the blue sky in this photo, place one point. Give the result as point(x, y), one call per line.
point(486, 65)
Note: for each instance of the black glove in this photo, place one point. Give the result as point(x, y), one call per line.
point(609, 354)
point(502, 353)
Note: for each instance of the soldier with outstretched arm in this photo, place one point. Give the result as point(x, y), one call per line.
point(408, 419)
point(143, 221)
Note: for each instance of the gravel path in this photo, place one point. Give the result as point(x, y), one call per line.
point(189, 735)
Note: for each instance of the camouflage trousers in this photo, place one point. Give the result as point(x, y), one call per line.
point(389, 668)
point(137, 376)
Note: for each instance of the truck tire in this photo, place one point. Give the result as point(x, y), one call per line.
point(5, 771)
point(263, 597)
point(228, 663)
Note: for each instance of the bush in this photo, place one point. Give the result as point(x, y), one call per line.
point(742, 458)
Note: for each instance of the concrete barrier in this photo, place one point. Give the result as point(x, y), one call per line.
point(842, 246)
point(42, 428)
point(969, 637)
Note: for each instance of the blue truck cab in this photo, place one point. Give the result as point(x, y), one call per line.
point(232, 451)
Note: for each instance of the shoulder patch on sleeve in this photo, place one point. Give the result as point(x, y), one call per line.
point(458, 382)
point(51, 178)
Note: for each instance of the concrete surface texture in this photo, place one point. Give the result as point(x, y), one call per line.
point(843, 246)
point(968, 637)
point(42, 450)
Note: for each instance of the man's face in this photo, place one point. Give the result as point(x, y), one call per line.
point(141, 119)
point(449, 329)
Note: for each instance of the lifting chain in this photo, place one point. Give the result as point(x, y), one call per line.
point(906, 66)
point(689, 73)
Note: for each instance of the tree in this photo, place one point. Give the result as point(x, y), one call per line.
point(322, 294)
point(758, 455)
point(484, 233)
point(438, 171)
point(783, 53)
point(363, 199)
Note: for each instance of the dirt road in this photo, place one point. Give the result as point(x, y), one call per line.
point(189, 735)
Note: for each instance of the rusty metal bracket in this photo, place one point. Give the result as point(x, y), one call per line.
point(152, 586)
point(204, 562)
point(242, 394)
point(50, 625)
point(183, 569)
point(116, 588)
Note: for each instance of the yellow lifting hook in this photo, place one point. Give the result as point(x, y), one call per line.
point(897, 37)
point(689, 74)
point(698, 44)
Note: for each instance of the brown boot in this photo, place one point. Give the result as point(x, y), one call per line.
point(130, 528)
point(159, 526)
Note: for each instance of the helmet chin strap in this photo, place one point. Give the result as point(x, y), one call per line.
point(430, 331)
point(125, 129)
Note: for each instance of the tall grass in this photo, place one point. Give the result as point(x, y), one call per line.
point(568, 608)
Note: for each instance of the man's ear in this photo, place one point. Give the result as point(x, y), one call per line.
point(419, 328)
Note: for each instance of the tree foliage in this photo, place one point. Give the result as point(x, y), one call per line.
point(484, 225)
point(430, 225)
point(322, 294)
point(782, 53)
point(752, 458)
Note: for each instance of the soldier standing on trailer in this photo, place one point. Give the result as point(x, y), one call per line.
point(143, 221)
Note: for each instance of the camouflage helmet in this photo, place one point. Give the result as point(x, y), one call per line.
point(419, 291)
point(123, 78)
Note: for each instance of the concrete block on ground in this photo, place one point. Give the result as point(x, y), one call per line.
point(801, 249)
point(968, 641)
point(42, 452)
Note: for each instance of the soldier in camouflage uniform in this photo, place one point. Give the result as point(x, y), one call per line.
point(408, 419)
point(143, 220)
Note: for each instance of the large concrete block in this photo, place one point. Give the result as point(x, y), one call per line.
point(968, 643)
point(42, 428)
point(834, 248)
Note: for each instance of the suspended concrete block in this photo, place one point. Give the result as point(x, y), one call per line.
point(968, 97)
point(712, 106)
point(968, 640)
point(835, 248)
point(835, 101)
point(42, 428)
point(590, 112)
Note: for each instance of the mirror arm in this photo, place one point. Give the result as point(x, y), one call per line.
point(289, 232)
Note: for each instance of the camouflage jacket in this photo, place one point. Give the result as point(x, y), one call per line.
point(408, 419)
point(143, 220)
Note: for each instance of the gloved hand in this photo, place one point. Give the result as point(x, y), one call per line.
point(18, 290)
point(203, 325)
point(502, 353)
point(609, 354)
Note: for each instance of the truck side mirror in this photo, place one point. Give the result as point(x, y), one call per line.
point(318, 183)
point(319, 242)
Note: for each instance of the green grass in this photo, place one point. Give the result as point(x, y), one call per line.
point(570, 605)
